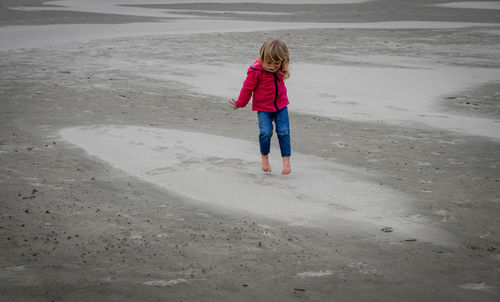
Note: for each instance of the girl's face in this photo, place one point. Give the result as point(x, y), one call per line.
point(272, 66)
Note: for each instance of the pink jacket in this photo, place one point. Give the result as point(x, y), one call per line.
point(268, 89)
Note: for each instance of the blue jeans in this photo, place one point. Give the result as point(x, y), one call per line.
point(282, 130)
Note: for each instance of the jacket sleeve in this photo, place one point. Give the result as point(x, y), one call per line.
point(248, 88)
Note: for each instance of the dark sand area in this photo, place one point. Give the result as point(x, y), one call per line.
point(370, 11)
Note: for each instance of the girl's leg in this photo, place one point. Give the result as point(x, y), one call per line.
point(265, 133)
point(283, 131)
point(287, 168)
point(264, 164)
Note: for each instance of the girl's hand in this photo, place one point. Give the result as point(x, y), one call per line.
point(233, 104)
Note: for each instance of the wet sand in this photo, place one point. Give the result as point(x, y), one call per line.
point(76, 228)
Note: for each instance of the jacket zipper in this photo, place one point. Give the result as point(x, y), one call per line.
point(276, 91)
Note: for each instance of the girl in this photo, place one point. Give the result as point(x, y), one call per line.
point(265, 81)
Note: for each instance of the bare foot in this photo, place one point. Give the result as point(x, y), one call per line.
point(286, 166)
point(266, 167)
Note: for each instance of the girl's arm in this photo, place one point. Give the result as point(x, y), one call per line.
point(248, 87)
point(233, 104)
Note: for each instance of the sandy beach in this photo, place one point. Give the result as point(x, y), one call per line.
point(126, 175)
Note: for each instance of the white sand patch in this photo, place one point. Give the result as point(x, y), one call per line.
point(41, 36)
point(165, 282)
point(475, 5)
point(116, 6)
point(315, 274)
point(104, 8)
point(119, 6)
point(476, 286)
point(236, 12)
point(399, 92)
point(224, 172)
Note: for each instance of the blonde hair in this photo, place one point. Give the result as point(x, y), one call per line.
point(276, 51)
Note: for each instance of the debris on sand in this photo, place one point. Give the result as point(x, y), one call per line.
point(387, 229)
